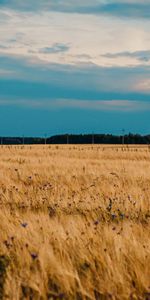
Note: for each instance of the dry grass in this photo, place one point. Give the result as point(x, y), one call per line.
point(74, 222)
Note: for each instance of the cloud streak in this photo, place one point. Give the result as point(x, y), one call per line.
point(20, 75)
point(102, 105)
point(55, 48)
point(140, 55)
point(126, 8)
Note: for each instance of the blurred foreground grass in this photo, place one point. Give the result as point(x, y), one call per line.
point(74, 222)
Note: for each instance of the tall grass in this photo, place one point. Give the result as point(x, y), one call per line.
point(74, 222)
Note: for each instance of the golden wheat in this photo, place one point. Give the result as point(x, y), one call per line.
point(74, 222)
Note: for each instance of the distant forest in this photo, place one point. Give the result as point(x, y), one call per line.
point(78, 139)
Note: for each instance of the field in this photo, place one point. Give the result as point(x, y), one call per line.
point(74, 222)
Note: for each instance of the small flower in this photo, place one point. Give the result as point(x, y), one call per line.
point(114, 228)
point(113, 216)
point(24, 225)
point(34, 255)
point(96, 222)
point(122, 216)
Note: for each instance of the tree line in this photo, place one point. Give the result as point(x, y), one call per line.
point(78, 139)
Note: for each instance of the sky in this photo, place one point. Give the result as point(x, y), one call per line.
point(74, 67)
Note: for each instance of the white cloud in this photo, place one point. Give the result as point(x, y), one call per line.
point(143, 85)
point(89, 37)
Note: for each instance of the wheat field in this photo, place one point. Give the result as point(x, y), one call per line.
point(74, 222)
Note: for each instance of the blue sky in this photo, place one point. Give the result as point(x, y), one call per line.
point(74, 66)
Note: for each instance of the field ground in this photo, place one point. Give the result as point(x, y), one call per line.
point(74, 222)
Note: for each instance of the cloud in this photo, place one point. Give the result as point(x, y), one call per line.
point(81, 78)
point(74, 38)
point(127, 9)
point(107, 98)
point(118, 8)
point(3, 47)
point(143, 85)
point(52, 104)
point(143, 55)
point(5, 73)
point(32, 85)
point(55, 48)
point(111, 105)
